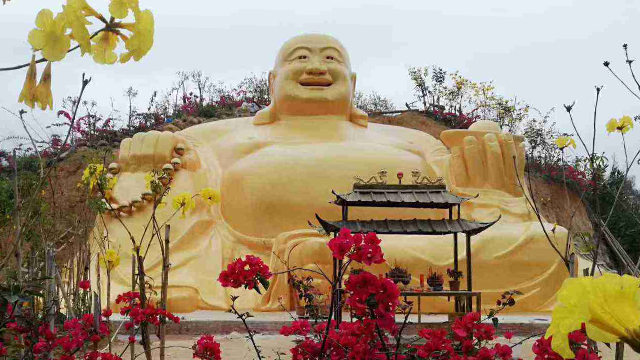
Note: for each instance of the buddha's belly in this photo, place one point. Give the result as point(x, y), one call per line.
point(280, 188)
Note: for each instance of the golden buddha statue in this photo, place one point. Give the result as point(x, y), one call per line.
point(276, 170)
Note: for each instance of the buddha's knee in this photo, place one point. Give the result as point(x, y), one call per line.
point(309, 253)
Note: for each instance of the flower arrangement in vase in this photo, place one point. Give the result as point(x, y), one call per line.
point(435, 280)
point(454, 276)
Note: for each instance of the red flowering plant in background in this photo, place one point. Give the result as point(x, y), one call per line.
point(351, 340)
point(26, 332)
point(207, 348)
point(85, 285)
point(364, 249)
point(248, 273)
point(577, 341)
point(137, 315)
point(373, 298)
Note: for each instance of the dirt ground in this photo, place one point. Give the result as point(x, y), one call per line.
point(235, 346)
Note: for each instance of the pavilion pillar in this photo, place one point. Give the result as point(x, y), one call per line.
point(469, 272)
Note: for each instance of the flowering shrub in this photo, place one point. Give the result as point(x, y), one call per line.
point(577, 342)
point(248, 273)
point(455, 120)
point(374, 298)
point(138, 315)
point(364, 249)
point(25, 330)
point(207, 348)
point(84, 285)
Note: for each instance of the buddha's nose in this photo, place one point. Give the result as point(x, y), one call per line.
point(316, 68)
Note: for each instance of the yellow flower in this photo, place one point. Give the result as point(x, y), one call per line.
point(119, 9)
point(609, 306)
point(623, 125)
point(50, 35)
point(210, 195)
point(104, 45)
point(91, 175)
point(565, 141)
point(139, 44)
point(43, 90)
point(75, 12)
point(184, 202)
point(148, 179)
point(110, 260)
point(86, 9)
point(28, 93)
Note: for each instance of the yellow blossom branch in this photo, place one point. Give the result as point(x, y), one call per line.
point(41, 60)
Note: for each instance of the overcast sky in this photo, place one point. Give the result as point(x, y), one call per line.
point(545, 52)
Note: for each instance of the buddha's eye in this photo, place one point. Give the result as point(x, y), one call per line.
point(331, 58)
point(302, 57)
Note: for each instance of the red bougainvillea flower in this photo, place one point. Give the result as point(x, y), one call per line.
point(248, 273)
point(356, 340)
point(367, 250)
point(107, 313)
point(436, 346)
point(207, 348)
point(363, 249)
point(84, 285)
point(372, 297)
point(577, 341)
point(341, 245)
point(298, 327)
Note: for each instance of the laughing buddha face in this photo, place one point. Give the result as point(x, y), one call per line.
point(312, 76)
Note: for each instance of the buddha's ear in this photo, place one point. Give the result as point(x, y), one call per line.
point(266, 116)
point(272, 77)
point(356, 115)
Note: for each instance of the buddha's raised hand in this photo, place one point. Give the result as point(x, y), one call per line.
point(485, 158)
point(154, 149)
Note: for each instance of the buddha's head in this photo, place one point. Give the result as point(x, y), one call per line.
point(311, 76)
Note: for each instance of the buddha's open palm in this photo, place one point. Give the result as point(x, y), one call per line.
point(485, 160)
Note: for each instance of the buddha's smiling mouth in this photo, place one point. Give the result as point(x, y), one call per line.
point(319, 82)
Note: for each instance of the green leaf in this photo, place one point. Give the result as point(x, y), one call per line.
point(264, 282)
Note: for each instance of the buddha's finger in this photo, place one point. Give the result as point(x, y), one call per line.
point(458, 169)
point(509, 160)
point(495, 164)
point(473, 161)
point(147, 150)
point(164, 148)
point(136, 150)
point(123, 154)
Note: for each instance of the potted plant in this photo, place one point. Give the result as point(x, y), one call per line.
point(399, 275)
point(454, 276)
point(435, 280)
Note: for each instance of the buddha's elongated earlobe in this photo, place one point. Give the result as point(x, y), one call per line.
point(266, 115)
point(356, 115)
